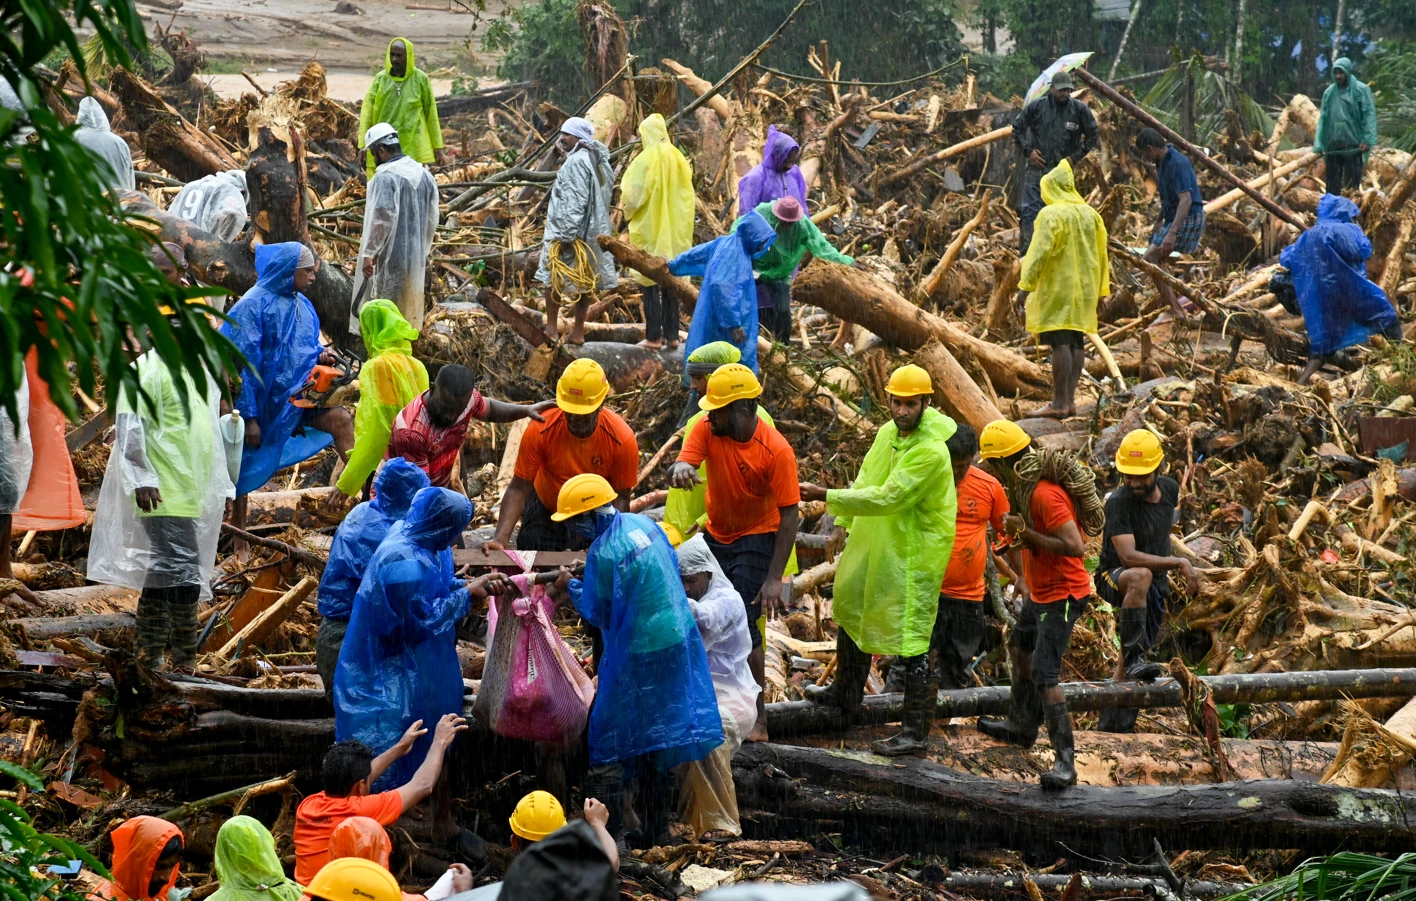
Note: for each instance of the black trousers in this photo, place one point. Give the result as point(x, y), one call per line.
point(661, 314)
point(958, 637)
point(1344, 170)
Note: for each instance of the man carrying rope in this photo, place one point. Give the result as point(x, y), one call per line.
point(573, 266)
point(1056, 497)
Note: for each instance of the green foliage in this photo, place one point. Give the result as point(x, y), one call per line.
point(541, 42)
point(1046, 29)
point(1233, 720)
point(79, 285)
point(1004, 76)
point(1392, 78)
point(1346, 876)
point(26, 850)
point(1215, 95)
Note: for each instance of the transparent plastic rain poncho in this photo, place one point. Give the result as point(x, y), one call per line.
point(95, 134)
point(579, 209)
point(16, 451)
point(388, 381)
point(1065, 269)
point(722, 622)
point(407, 103)
point(276, 329)
point(400, 217)
point(177, 451)
point(766, 181)
point(727, 297)
point(657, 193)
point(655, 692)
point(364, 528)
point(399, 660)
point(900, 516)
point(1341, 306)
point(248, 867)
point(214, 203)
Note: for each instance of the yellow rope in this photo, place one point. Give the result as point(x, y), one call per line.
point(567, 280)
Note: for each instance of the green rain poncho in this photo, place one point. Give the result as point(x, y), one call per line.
point(1349, 116)
point(388, 382)
point(900, 515)
point(247, 865)
point(793, 242)
point(406, 103)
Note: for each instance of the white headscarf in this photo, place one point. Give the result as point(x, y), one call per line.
point(576, 127)
point(722, 621)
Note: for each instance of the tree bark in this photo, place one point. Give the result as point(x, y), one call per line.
point(954, 392)
point(168, 139)
point(47, 628)
point(651, 266)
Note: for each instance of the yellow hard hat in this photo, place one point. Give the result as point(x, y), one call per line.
point(1140, 453)
point(582, 388)
point(909, 381)
point(536, 816)
point(354, 879)
point(586, 491)
point(1002, 438)
point(729, 383)
point(672, 533)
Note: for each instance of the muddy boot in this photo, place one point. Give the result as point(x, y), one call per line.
point(152, 627)
point(1059, 732)
point(920, 700)
point(848, 688)
point(1020, 727)
point(1131, 623)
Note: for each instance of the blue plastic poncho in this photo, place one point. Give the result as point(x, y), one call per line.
point(655, 694)
point(361, 533)
point(1341, 306)
point(727, 298)
point(276, 328)
point(399, 660)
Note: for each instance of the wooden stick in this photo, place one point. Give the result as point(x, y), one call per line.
point(658, 456)
point(956, 246)
point(1262, 181)
point(260, 628)
point(1300, 525)
point(507, 469)
point(240, 795)
point(1391, 272)
point(1156, 272)
point(825, 213)
point(925, 162)
point(288, 550)
point(25, 545)
point(1105, 353)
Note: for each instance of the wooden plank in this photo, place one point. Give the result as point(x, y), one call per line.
point(261, 628)
point(264, 589)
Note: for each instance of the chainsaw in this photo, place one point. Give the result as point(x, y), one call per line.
point(323, 381)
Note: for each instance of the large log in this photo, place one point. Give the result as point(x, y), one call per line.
point(654, 267)
point(1262, 181)
point(954, 392)
point(47, 628)
point(867, 301)
point(168, 139)
point(940, 156)
point(949, 807)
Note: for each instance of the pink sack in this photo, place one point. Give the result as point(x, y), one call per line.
point(547, 695)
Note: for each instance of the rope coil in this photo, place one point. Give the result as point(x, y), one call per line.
point(1066, 469)
point(572, 279)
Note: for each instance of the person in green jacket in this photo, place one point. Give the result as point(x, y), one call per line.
point(796, 234)
point(402, 96)
point(1347, 128)
point(899, 516)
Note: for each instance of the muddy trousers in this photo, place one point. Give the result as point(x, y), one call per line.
point(852, 668)
point(167, 617)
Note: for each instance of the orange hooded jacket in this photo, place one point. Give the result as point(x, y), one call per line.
point(364, 838)
point(137, 845)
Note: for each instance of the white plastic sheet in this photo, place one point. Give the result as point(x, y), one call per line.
point(16, 452)
point(215, 203)
point(400, 217)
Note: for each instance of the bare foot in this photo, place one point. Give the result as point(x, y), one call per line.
point(758, 733)
point(1051, 412)
point(672, 345)
point(652, 345)
point(576, 337)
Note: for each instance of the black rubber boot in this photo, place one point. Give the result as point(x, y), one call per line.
point(920, 701)
point(848, 688)
point(1131, 624)
point(1020, 727)
point(1059, 732)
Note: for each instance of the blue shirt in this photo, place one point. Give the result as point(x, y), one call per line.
point(1176, 175)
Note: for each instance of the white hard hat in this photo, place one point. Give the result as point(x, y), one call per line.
point(379, 133)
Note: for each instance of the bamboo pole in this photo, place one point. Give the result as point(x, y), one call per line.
point(1228, 199)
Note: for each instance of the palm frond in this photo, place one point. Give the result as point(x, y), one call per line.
point(1215, 94)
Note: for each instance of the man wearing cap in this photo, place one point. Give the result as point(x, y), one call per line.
point(578, 436)
point(400, 217)
point(1049, 130)
point(655, 706)
point(796, 236)
point(1133, 572)
point(899, 516)
point(751, 500)
point(573, 265)
point(1054, 593)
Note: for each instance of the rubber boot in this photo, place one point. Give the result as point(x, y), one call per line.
point(1131, 623)
point(655, 792)
point(847, 690)
point(1024, 716)
point(920, 701)
point(1059, 732)
point(152, 628)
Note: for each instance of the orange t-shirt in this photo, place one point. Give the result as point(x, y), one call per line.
point(550, 455)
point(982, 500)
point(747, 480)
point(1052, 577)
point(317, 816)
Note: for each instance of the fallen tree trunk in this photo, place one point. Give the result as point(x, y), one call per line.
point(1225, 200)
point(925, 162)
point(168, 139)
point(651, 266)
point(954, 391)
point(993, 884)
point(47, 628)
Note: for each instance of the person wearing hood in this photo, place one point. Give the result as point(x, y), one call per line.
point(707, 800)
point(797, 236)
point(214, 203)
point(402, 96)
point(389, 380)
point(362, 531)
point(1065, 274)
point(1052, 129)
point(366, 839)
point(248, 867)
point(727, 296)
point(655, 707)
point(1347, 128)
point(899, 516)
point(400, 217)
point(95, 134)
point(658, 198)
point(573, 264)
point(158, 517)
point(147, 854)
point(776, 176)
point(1341, 306)
point(276, 329)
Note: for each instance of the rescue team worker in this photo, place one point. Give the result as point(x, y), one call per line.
point(1347, 128)
point(147, 853)
point(1052, 129)
point(797, 235)
point(364, 838)
point(1132, 574)
point(899, 516)
point(354, 879)
point(400, 218)
point(97, 137)
point(1055, 591)
point(581, 435)
point(1182, 211)
point(659, 205)
point(727, 294)
point(574, 266)
point(402, 96)
point(654, 704)
point(247, 866)
point(751, 501)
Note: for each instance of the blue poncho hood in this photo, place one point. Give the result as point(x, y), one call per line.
point(395, 486)
point(436, 517)
point(727, 299)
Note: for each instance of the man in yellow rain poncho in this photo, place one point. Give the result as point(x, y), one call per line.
point(657, 193)
point(388, 381)
point(402, 96)
point(1067, 274)
point(899, 515)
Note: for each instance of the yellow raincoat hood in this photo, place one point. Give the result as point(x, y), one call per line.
point(1065, 269)
point(657, 191)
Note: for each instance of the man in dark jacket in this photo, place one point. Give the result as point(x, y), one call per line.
point(1047, 131)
